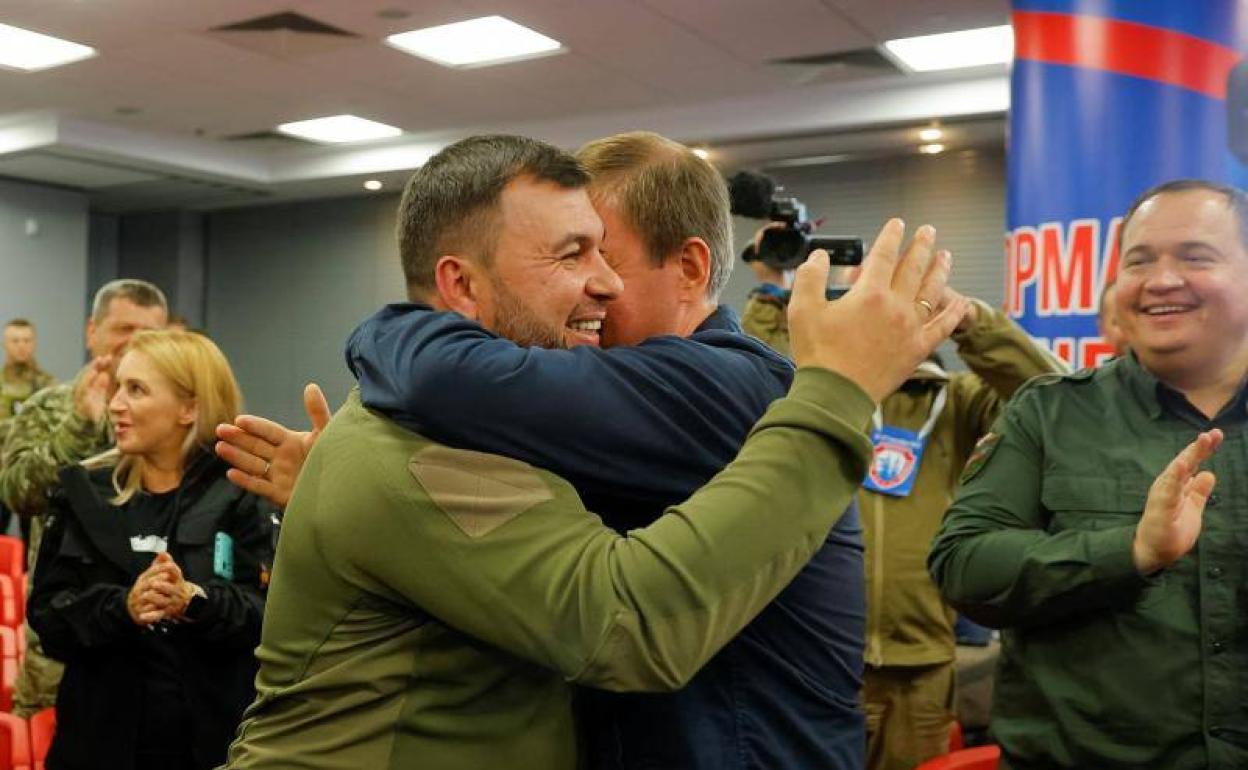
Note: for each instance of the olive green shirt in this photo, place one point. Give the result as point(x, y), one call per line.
point(431, 607)
point(1100, 667)
point(908, 624)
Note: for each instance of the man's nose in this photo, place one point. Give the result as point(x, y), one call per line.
point(604, 283)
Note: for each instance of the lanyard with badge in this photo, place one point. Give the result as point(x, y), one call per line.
point(897, 452)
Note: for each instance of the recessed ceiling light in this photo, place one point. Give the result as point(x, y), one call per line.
point(373, 184)
point(931, 149)
point(475, 43)
point(30, 51)
point(702, 153)
point(931, 134)
point(953, 50)
point(339, 128)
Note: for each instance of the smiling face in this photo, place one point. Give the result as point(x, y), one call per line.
point(1182, 285)
point(549, 284)
point(150, 417)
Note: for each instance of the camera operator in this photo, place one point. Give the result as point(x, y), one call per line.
point(924, 434)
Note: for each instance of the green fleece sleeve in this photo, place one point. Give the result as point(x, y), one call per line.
point(644, 611)
point(1002, 358)
point(764, 318)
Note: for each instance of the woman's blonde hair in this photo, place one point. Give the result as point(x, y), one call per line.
point(198, 371)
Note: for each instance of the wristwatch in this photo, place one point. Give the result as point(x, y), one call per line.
point(196, 606)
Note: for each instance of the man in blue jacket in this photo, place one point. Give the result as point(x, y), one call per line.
point(636, 428)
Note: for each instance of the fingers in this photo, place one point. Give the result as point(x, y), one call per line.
point(881, 262)
point(810, 284)
point(316, 406)
point(1171, 486)
point(246, 462)
point(257, 486)
point(943, 323)
point(913, 268)
point(261, 433)
point(935, 284)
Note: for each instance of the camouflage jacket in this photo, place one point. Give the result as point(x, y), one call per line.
point(19, 382)
point(46, 436)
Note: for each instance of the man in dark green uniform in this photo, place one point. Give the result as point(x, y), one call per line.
point(1079, 528)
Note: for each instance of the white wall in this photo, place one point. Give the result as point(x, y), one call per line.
point(43, 276)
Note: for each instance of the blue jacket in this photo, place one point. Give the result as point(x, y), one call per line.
point(636, 429)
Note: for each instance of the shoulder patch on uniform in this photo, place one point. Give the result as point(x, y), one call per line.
point(979, 456)
point(477, 491)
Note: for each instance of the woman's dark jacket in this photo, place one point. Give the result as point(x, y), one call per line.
point(78, 608)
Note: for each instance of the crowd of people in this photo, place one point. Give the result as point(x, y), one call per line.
point(578, 513)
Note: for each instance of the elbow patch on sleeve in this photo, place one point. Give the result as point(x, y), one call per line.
point(478, 492)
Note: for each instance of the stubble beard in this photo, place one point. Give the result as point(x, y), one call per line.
point(516, 322)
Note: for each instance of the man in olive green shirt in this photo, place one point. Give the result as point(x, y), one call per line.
point(430, 606)
point(1080, 533)
point(908, 683)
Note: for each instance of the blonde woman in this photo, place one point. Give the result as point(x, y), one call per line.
point(150, 579)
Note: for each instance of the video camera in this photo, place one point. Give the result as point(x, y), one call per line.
point(784, 248)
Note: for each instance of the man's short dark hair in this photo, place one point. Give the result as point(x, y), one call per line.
point(1235, 199)
point(139, 292)
point(20, 323)
point(450, 205)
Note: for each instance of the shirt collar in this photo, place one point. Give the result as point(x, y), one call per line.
point(723, 319)
point(1158, 398)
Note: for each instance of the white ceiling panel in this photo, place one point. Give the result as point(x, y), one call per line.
point(698, 69)
point(69, 172)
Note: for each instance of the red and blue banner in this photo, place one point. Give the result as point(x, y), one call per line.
point(1110, 97)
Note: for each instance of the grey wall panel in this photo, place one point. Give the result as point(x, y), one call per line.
point(962, 194)
point(43, 270)
point(287, 284)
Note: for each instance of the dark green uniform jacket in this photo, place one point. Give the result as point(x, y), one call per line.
point(1101, 668)
point(430, 607)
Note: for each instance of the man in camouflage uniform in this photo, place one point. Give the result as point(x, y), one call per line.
point(19, 380)
point(62, 425)
point(22, 376)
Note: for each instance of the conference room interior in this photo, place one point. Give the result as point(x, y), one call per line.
point(172, 153)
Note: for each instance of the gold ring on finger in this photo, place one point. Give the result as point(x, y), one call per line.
point(926, 306)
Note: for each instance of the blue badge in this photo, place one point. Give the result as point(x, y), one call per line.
point(894, 460)
point(223, 556)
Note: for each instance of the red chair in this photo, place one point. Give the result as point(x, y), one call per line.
point(978, 758)
point(42, 728)
point(14, 743)
point(12, 602)
point(12, 557)
point(955, 738)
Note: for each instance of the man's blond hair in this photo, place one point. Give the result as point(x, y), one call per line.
point(667, 194)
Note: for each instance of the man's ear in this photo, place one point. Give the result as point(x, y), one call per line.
point(90, 332)
point(695, 268)
point(459, 281)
